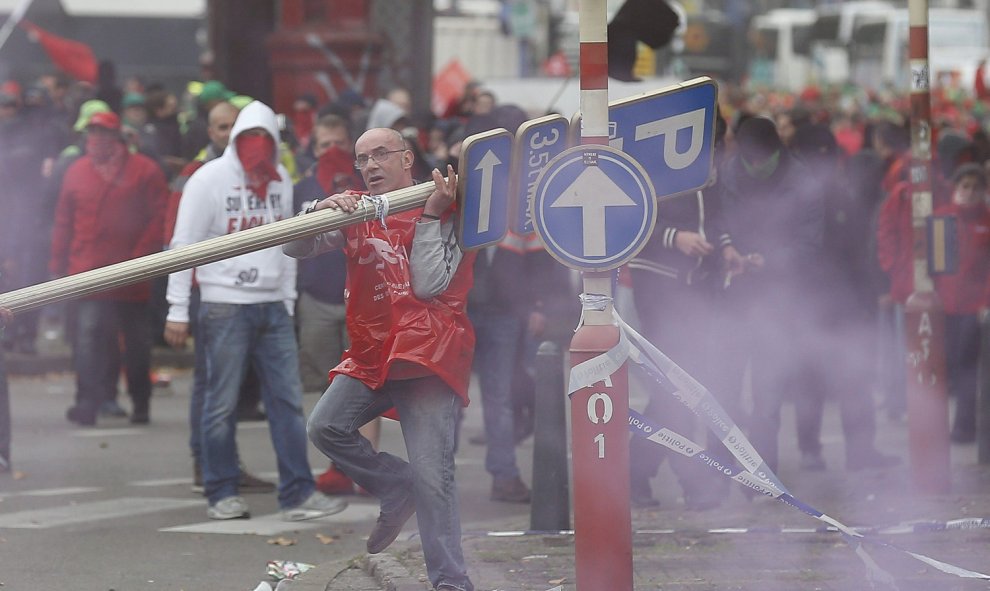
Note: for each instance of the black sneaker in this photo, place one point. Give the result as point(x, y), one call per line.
point(388, 527)
point(77, 416)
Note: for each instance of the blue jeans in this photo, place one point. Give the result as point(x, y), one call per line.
point(96, 353)
point(428, 409)
point(234, 335)
point(497, 335)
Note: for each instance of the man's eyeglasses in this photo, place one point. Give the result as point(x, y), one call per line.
point(380, 156)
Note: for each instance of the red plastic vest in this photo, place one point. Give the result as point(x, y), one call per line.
point(387, 323)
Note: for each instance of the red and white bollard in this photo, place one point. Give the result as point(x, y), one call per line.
point(599, 413)
point(600, 460)
point(924, 318)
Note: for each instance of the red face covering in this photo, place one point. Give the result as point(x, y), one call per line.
point(101, 147)
point(302, 123)
point(107, 152)
point(257, 156)
point(335, 171)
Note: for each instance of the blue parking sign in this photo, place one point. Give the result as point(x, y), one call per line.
point(671, 133)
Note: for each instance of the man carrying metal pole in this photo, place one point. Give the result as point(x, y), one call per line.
point(411, 351)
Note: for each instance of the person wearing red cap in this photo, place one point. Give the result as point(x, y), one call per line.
point(110, 209)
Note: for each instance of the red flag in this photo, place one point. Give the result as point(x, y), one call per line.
point(557, 66)
point(448, 86)
point(72, 57)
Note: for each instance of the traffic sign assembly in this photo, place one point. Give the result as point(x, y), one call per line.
point(593, 208)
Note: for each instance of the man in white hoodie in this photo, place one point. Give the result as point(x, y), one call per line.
point(245, 317)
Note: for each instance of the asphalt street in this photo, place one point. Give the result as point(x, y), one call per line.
point(111, 506)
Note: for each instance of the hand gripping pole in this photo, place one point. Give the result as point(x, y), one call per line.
point(207, 251)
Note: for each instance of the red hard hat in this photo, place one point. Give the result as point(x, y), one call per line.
point(105, 120)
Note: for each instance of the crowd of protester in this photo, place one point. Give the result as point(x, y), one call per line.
point(785, 279)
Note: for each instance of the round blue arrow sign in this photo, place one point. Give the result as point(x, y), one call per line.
point(594, 208)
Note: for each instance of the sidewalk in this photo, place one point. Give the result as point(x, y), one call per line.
point(770, 546)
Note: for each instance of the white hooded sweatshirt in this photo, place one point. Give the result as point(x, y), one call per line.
point(215, 202)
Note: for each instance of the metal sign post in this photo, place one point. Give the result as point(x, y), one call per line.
point(594, 209)
point(599, 433)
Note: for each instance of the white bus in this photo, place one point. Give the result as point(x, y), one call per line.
point(957, 42)
point(831, 36)
point(780, 42)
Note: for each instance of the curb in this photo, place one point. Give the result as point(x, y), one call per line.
point(322, 576)
point(390, 573)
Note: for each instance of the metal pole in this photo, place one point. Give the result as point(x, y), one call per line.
point(551, 507)
point(207, 251)
point(599, 431)
point(11, 23)
point(924, 318)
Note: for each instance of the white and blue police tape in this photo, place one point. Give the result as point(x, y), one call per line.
point(643, 427)
point(756, 474)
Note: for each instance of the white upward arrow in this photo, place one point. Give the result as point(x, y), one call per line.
point(488, 162)
point(593, 191)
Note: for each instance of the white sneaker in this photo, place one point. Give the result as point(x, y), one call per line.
point(228, 508)
point(317, 505)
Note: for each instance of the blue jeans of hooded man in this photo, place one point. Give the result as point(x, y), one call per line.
point(497, 335)
point(234, 336)
point(428, 410)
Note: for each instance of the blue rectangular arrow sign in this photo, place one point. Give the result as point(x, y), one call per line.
point(538, 141)
point(483, 185)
